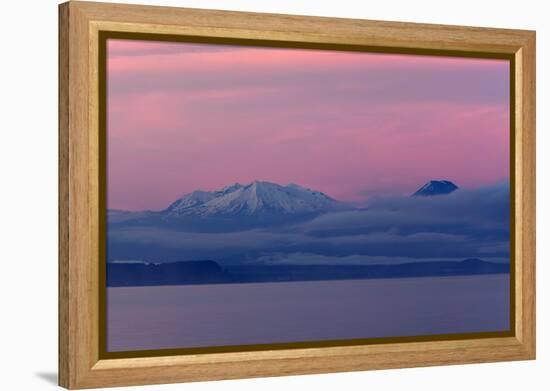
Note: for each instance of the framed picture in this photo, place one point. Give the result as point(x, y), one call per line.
point(247, 195)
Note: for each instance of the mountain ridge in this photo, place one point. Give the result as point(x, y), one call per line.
point(258, 202)
point(260, 189)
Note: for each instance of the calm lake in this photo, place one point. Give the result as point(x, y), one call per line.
point(142, 318)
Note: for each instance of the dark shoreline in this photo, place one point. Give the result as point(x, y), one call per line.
point(209, 272)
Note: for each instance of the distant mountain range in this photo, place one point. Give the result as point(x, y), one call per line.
point(209, 272)
point(254, 202)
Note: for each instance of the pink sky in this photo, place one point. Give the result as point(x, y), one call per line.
point(182, 117)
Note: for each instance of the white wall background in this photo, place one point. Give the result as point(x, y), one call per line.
point(28, 197)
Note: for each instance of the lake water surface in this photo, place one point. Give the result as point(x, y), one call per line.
point(143, 318)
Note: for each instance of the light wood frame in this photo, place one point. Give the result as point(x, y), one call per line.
point(80, 365)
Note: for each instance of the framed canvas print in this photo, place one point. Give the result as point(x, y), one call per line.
point(248, 195)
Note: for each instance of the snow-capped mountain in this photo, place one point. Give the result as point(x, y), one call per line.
point(433, 188)
point(258, 198)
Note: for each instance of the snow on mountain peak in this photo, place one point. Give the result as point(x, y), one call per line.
point(256, 198)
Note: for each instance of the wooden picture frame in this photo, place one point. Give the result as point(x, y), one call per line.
point(81, 364)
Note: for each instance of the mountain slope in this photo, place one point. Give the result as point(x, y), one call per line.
point(254, 199)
